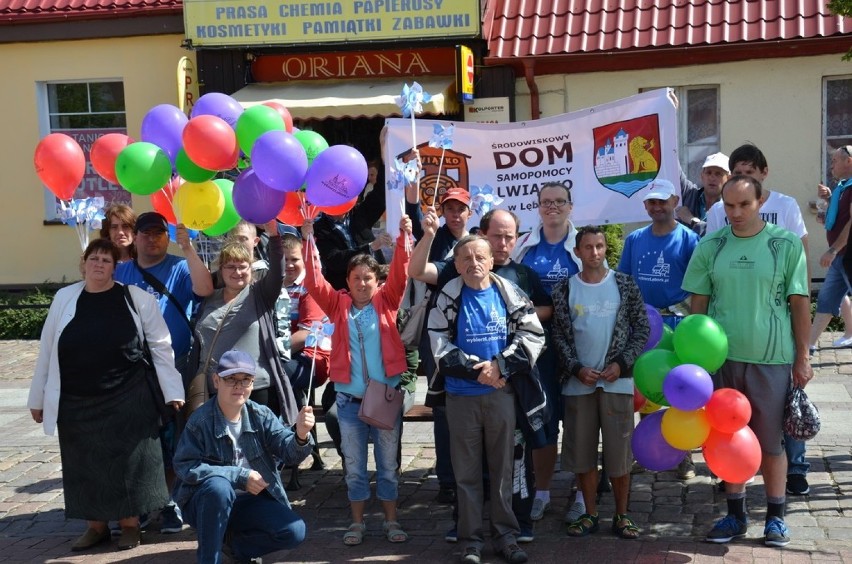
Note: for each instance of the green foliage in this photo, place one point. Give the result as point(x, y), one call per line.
point(836, 324)
point(22, 314)
point(842, 8)
point(614, 243)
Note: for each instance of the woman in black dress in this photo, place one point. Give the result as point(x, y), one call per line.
point(90, 384)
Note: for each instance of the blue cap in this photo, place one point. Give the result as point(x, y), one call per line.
point(236, 362)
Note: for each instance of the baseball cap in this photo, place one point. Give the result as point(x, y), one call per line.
point(717, 159)
point(660, 190)
point(235, 362)
point(151, 220)
point(458, 194)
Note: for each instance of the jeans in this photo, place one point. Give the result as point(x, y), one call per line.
point(443, 458)
point(796, 463)
point(833, 288)
point(257, 524)
point(354, 435)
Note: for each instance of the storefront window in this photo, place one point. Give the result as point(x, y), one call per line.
point(86, 111)
point(837, 117)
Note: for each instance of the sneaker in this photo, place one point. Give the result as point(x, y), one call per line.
point(841, 342)
point(471, 555)
point(446, 495)
point(797, 484)
point(452, 535)
point(144, 521)
point(775, 533)
point(170, 520)
point(727, 529)
point(526, 535)
point(686, 469)
point(514, 554)
point(811, 351)
point(577, 509)
point(538, 509)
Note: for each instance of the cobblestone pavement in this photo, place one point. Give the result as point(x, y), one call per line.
point(673, 515)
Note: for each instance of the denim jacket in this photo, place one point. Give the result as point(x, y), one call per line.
point(205, 450)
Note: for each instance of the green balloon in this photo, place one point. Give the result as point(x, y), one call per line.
point(142, 168)
point(254, 122)
point(190, 171)
point(230, 218)
point(313, 142)
point(666, 341)
point(699, 339)
point(649, 372)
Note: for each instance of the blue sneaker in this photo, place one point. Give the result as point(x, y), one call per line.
point(170, 519)
point(727, 529)
point(452, 535)
point(526, 535)
point(776, 533)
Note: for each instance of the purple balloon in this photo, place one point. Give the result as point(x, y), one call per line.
point(688, 387)
point(163, 126)
point(218, 104)
point(336, 176)
point(655, 320)
point(650, 449)
point(279, 161)
point(255, 201)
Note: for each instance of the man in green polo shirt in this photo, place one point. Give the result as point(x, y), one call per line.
point(751, 277)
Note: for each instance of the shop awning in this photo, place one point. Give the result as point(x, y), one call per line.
point(354, 98)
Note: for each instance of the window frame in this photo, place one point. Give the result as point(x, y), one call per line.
point(832, 142)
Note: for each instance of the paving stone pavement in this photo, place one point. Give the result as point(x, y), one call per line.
point(673, 516)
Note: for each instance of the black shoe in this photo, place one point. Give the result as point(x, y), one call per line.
point(514, 554)
point(446, 495)
point(797, 484)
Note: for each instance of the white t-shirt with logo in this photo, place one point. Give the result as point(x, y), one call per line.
point(778, 209)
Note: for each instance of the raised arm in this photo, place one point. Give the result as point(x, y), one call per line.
point(202, 282)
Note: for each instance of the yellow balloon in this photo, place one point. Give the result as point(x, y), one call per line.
point(199, 205)
point(685, 430)
point(649, 407)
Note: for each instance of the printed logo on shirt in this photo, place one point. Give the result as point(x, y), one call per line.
point(650, 269)
point(743, 263)
point(557, 272)
point(605, 308)
point(495, 330)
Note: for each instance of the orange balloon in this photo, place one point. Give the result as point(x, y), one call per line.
point(162, 199)
point(339, 209)
point(291, 213)
point(60, 164)
point(210, 143)
point(735, 457)
point(284, 113)
point(104, 151)
point(728, 410)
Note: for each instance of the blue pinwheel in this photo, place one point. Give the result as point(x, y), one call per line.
point(318, 335)
point(83, 214)
point(483, 199)
point(442, 137)
point(411, 100)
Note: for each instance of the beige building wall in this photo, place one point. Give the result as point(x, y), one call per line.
point(774, 103)
point(33, 253)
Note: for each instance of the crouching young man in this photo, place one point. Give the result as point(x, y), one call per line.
point(228, 487)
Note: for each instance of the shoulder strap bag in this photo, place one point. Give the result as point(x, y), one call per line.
point(381, 405)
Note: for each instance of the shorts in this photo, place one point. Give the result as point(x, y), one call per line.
point(765, 386)
point(599, 413)
point(833, 289)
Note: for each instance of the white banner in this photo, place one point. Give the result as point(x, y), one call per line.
point(606, 155)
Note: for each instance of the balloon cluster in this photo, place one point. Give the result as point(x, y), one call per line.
point(178, 157)
point(674, 371)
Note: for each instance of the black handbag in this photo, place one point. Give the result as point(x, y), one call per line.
point(166, 412)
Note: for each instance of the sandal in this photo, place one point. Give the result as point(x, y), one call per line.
point(627, 530)
point(584, 526)
point(394, 532)
point(354, 534)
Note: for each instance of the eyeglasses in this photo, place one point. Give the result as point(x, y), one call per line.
point(236, 268)
point(553, 203)
point(238, 383)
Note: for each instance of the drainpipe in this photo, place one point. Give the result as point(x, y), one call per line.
point(529, 74)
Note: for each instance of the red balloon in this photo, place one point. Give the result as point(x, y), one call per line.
point(284, 113)
point(60, 164)
point(104, 151)
point(735, 457)
point(639, 400)
point(210, 143)
point(291, 213)
point(162, 199)
point(339, 209)
point(728, 410)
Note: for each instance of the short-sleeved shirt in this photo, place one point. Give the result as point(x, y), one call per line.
point(173, 272)
point(519, 274)
point(367, 320)
point(749, 280)
point(552, 262)
point(658, 263)
point(778, 209)
point(482, 332)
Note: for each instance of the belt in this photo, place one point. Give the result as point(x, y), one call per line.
point(353, 399)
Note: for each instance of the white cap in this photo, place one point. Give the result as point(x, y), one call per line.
point(717, 159)
point(660, 190)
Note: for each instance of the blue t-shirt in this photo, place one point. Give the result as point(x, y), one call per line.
point(368, 321)
point(658, 263)
point(481, 332)
point(552, 263)
point(173, 272)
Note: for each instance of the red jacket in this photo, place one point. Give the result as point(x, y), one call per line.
point(336, 304)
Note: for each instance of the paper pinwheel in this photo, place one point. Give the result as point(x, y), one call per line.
point(83, 215)
point(442, 137)
point(483, 199)
point(318, 337)
point(411, 100)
